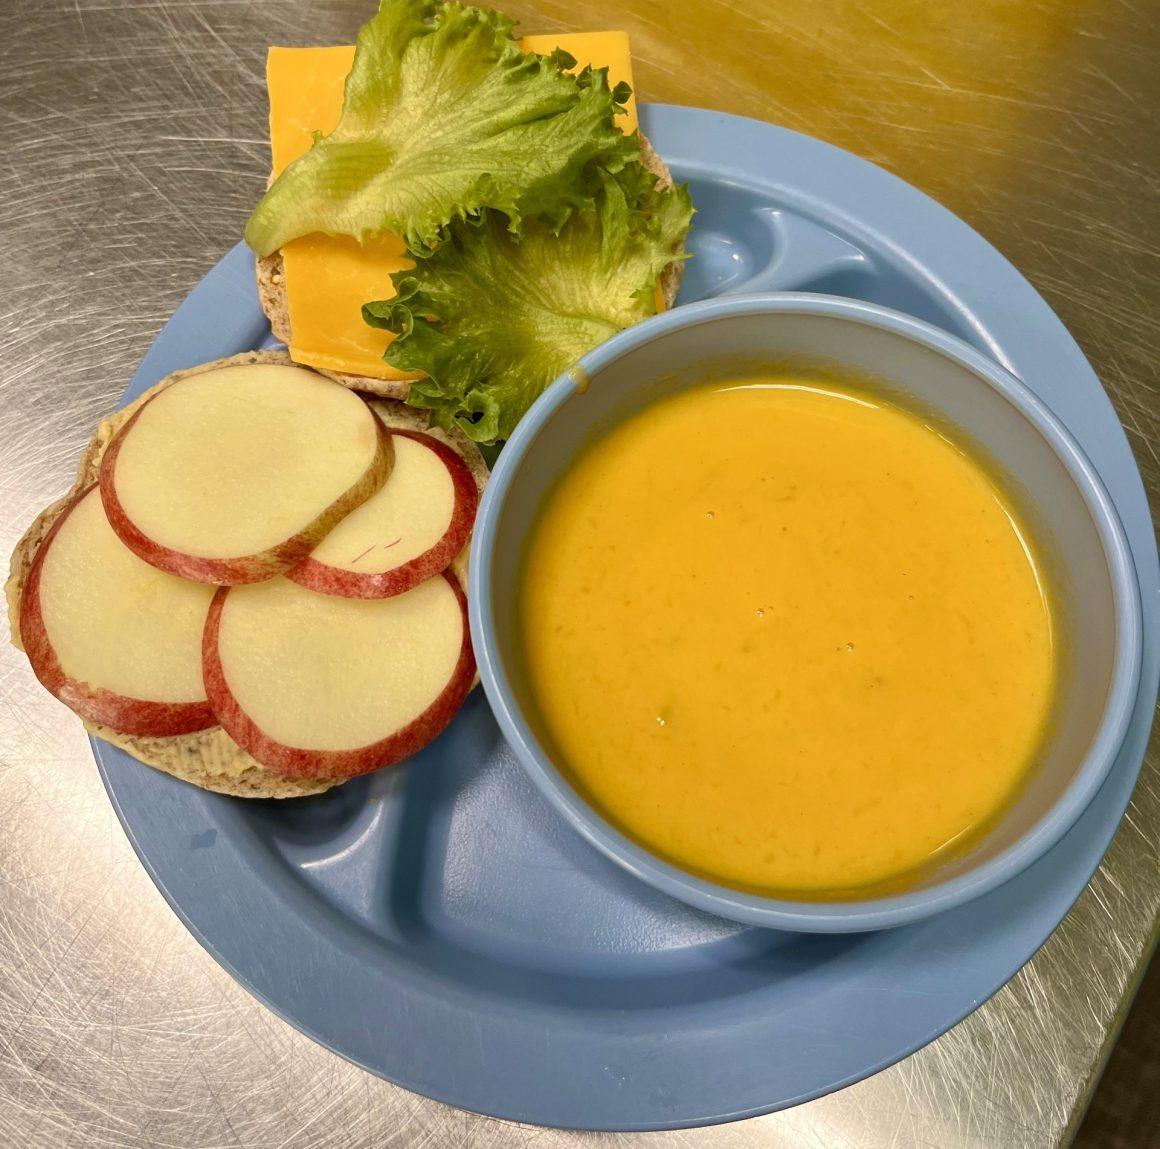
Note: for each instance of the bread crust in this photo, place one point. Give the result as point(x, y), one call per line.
point(272, 294)
point(207, 758)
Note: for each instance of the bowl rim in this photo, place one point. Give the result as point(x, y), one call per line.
point(755, 909)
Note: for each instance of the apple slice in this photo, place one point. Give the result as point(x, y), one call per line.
point(115, 639)
point(319, 686)
point(235, 474)
point(406, 533)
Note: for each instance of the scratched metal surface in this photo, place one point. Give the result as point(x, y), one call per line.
point(132, 148)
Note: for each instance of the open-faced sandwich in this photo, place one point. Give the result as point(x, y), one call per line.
point(256, 582)
point(483, 211)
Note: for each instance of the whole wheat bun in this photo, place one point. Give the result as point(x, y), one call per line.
point(207, 758)
point(272, 294)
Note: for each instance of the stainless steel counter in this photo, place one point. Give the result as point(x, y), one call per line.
point(133, 147)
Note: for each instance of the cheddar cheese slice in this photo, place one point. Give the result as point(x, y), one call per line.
point(329, 278)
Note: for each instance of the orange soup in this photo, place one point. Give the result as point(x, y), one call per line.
point(788, 636)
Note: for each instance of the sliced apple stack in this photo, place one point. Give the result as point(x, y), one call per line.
point(234, 475)
point(267, 553)
point(112, 637)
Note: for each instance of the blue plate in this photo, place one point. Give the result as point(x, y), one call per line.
point(442, 926)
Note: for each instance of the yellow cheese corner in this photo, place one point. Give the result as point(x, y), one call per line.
point(329, 278)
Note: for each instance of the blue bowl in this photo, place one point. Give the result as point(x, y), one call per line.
point(1045, 471)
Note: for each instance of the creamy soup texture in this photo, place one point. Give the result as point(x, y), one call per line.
point(787, 635)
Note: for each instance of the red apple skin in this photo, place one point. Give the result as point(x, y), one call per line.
point(246, 568)
point(326, 579)
point(297, 762)
point(117, 711)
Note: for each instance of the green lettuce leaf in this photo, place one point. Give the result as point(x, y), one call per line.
point(491, 319)
point(444, 115)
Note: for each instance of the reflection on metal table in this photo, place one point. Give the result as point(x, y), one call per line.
point(137, 147)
